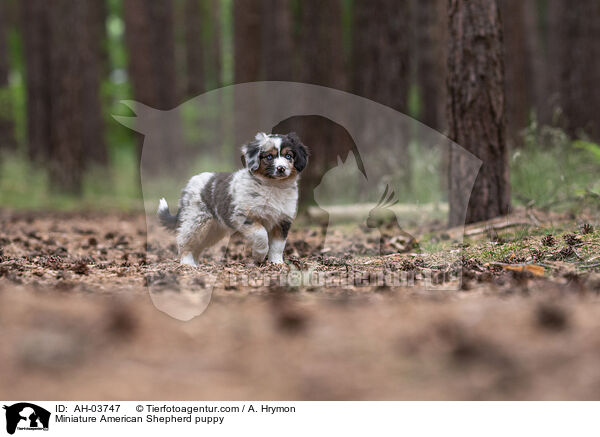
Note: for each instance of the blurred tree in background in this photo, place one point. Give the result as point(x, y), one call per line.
point(579, 60)
point(150, 39)
point(7, 139)
point(65, 125)
point(381, 60)
point(430, 58)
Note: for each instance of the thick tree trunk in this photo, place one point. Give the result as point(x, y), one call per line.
point(539, 70)
point(580, 66)
point(247, 66)
point(97, 10)
point(431, 30)
point(381, 58)
point(150, 40)
point(321, 62)
point(36, 28)
point(247, 40)
point(320, 44)
point(94, 64)
point(476, 109)
point(202, 45)
point(65, 127)
point(66, 83)
point(518, 62)
point(7, 138)
point(214, 67)
point(552, 41)
point(194, 53)
point(276, 53)
point(381, 51)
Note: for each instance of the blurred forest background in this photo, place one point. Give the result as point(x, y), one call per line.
point(65, 65)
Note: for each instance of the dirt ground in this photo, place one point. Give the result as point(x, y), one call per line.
point(77, 321)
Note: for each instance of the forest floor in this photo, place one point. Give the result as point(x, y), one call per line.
point(77, 320)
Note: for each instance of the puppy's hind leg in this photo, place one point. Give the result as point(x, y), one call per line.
point(213, 233)
point(194, 235)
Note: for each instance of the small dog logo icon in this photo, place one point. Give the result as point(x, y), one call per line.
point(26, 416)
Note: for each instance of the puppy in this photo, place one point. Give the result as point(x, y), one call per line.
point(258, 201)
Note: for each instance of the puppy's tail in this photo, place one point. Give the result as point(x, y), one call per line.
point(164, 215)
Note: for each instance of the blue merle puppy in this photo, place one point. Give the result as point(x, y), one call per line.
point(258, 201)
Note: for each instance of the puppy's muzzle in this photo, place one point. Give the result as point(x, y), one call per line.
point(280, 170)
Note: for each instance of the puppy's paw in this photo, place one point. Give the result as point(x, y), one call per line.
point(276, 259)
point(188, 260)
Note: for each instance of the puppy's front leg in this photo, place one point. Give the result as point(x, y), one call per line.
point(257, 235)
point(277, 239)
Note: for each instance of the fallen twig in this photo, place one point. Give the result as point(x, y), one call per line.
point(589, 266)
point(497, 227)
point(533, 218)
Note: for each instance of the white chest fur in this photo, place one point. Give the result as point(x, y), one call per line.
point(271, 201)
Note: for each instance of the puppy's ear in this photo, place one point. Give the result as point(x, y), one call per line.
point(250, 154)
point(300, 150)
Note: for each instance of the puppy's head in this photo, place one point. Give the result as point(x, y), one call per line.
point(275, 156)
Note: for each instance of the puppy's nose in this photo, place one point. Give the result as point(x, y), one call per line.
point(280, 169)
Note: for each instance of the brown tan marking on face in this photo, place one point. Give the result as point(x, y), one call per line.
point(264, 168)
point(288, 150)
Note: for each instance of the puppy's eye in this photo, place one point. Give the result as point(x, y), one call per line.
point(269, 157)
point(288, 156)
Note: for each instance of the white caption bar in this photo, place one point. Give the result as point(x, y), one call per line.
point(266, 418)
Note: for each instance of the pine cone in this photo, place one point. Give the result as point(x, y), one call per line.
point(572, 239)
point(548, 240)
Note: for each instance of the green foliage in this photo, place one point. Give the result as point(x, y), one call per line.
point(16, 90)
point(347, 28)
point(415, 102)
point(24, 185)
point(551, 169)
point(116, 86)
point(592, 148)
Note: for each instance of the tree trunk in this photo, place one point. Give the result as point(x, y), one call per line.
point(276, 54)
point(476, 109)
point(539, 69)
point(94, 64)
point(518, 62)
point(65, 127)
point(246, 66)
point(247, 40)
point(214, 70)
point(7, 137)
point(97, 18)
point(381, 57)
point(194, 46)
point(552, 41)
point(36, 28)
point(381, 51)
point(431, 67)
point(320, 46)
point(580, 66)
point(320, 62)
point(150, 40)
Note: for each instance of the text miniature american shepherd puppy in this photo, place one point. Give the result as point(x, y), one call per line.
point(258, 201)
